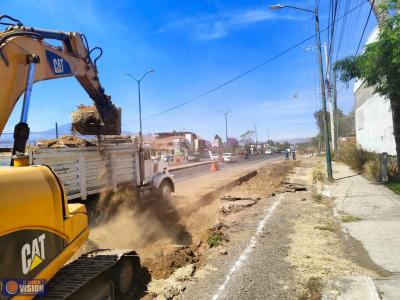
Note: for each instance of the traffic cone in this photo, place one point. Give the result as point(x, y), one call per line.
point(214, 167)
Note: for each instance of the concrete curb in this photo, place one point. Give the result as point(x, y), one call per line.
point(176, 168)
point(351, 287)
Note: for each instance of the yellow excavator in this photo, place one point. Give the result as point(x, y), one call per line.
point(39, 230)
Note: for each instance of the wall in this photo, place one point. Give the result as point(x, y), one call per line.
point(374, 122)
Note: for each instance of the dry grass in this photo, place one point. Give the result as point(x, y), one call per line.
point(317, 198)
point(315, 249)
point(318, 173)
point(349, 219)
point(313, 289)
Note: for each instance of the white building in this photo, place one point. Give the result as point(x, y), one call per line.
point(374, 122)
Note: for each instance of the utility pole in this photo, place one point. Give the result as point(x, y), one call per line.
point(226, 125)
point(322, 79)
point(255, 132)
point(330, 99)
point(324, 114)
point(335, 112)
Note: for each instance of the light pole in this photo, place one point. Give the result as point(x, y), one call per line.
point(255, 133)
point(321, 75)
point(141, 153)
point(226, 125)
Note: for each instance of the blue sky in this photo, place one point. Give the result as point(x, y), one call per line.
point(194, 46)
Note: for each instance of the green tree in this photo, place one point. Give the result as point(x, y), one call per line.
point(346, 123)
point(379, 65)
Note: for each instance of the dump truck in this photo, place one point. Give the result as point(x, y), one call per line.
point(91, 170)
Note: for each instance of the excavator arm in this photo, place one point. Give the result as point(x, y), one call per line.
point(26, 57)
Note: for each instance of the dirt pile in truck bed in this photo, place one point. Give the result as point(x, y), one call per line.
point(84, 117)
point(65, 141)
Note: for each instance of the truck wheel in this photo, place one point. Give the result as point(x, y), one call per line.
point(126, 277)
point(165, 191)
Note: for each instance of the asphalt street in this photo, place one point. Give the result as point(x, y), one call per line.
point(184, 174)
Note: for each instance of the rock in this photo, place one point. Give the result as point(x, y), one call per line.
point(223, 251)
point(185, 273)
point(218, 226)
point(161, 297)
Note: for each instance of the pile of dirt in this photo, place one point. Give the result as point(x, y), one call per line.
point(162, 267)
point(267, 181)
point(65, 141)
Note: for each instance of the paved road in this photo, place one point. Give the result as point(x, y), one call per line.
point(189, 173)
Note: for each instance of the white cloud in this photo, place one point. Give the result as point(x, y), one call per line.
point(219, 25)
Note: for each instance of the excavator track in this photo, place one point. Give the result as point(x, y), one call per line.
point(97, 275)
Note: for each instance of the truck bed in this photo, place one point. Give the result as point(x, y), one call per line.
point(90, 170)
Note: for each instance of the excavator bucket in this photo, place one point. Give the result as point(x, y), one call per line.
point(94, 120)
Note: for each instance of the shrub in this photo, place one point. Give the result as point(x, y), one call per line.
point(362, 161)
point(354, 157)
point(372, 168)
point(313, 289)
point(318, 173)
point(213, 240)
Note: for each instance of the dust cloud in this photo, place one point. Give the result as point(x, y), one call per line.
point(124, 220)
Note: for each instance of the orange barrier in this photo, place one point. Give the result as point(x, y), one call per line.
point(214, 167)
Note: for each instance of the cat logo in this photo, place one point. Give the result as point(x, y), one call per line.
point(58, 65)
point(32, 254)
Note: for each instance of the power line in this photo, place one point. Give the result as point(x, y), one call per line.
point(365, 27)
point(342, 30)
point(249, 70)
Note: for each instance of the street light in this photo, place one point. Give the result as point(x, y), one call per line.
point(226, 124)
point(141, 154)
point(140, 101)
point(321, 75)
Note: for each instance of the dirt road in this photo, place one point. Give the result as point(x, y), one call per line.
point(257, 231)
point(283, 247)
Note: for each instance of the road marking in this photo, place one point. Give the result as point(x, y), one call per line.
point(252, 244)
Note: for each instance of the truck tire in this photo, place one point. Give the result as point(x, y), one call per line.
point(126, 277)
point(165, 190)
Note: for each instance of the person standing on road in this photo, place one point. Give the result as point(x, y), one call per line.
point(221, 162)
point(294, 154)
point(287, 154)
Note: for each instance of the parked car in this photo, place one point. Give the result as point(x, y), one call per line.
point(268, 151)
point(193, 157)
point(229, 157)
point(213, 156)
point(167, 157)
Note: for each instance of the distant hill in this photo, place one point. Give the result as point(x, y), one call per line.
point(62, 129)
point(297, 140)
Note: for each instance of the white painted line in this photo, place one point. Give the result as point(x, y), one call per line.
point(252, 244)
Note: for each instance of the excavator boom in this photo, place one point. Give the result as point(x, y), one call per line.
point(25, 54)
